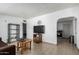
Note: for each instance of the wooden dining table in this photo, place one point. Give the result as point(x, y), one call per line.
point(23, 45)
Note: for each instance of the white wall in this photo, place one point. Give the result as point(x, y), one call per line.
point(59, 26)
point(47, 37)
point(67, 29)
point(50, 22)
point(4, 21)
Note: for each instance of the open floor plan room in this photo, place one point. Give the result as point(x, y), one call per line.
point(39, 28)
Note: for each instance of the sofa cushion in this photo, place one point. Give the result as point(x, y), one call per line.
point(8, 50)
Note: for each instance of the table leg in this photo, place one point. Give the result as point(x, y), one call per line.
point(17, 46)
point(21, 50)
point(21, 46)
point(30, 44)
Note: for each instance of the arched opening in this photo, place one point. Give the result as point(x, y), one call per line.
point(67, 31)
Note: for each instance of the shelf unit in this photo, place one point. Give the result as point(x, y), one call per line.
point(13, 32)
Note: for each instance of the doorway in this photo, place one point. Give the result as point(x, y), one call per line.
point(24, 30)
point(66, 30)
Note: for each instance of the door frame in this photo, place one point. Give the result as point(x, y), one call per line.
point(75, 31)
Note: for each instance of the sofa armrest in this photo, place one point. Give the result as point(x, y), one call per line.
point(0, 39)
point(8, 50)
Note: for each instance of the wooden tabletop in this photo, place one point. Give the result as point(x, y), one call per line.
point(27, 40)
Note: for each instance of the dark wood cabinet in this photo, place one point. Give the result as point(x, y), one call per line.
point(37, 38)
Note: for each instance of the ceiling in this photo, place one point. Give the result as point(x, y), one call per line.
point(28, 10)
